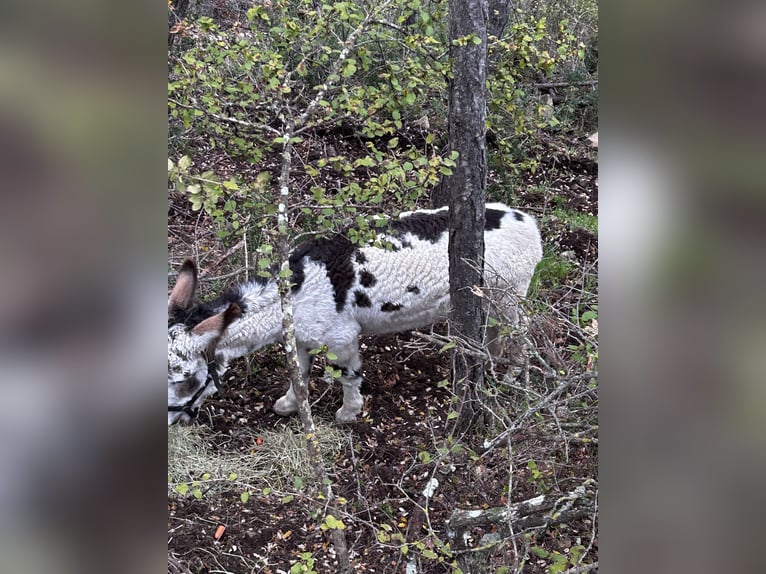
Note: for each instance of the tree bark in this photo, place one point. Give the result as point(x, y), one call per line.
point(290, 128)
point(465, 193)
point(297, 379)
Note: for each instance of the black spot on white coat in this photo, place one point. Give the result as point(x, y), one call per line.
point(389, 307)
point(367, 279)
point(335, 254)
point(361, 299)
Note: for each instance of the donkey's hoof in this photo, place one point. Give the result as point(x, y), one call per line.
point(285, 408)
point(345, 417)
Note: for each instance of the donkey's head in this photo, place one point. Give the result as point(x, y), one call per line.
point(194, 330)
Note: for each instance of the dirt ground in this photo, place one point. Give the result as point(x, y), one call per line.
point(379, 471)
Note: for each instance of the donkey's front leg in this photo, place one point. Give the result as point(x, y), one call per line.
point(288, 403)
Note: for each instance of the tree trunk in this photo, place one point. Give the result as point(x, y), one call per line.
point(465, 193)
point(297, 379)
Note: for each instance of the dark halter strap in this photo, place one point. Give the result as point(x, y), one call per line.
point(188, 408)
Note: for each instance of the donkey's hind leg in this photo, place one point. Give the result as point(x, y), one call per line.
point(351, 379)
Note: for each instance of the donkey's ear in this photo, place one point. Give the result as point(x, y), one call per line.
point(182, 294)
point(217, 324)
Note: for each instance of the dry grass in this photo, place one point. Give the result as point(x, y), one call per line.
point(276, 458)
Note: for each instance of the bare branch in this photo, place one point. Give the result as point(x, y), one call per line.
point(565, 84)
point(541, 511)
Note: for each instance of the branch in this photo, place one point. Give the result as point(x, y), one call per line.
point(175, 566)
point(581, 569)
point(229, 119)
point(565, 84)
point(541, 511)
point(335, 70)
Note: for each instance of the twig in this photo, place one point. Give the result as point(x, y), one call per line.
point(565, 84)
point(175, 566)
point(229, 119)
point(226, 255)
point(583, 568)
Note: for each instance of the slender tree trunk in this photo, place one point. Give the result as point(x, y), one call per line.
point(299, 382)
point(290, 128)
point(465, 192)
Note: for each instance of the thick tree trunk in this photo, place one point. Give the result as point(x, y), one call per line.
point(465, 192)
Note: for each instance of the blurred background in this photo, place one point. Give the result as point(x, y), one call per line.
point(83, 263)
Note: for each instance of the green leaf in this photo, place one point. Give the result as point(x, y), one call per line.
point(332, 356)
point(332, 523)
point(182, 488)
point(232, 476)
point(244, 497)
point(588, 316)
point(184, 163)
point(448, 346)
point(350, 68)
point(366, 161)
point(393, 142)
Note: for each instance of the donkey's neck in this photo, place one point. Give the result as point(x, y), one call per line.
point(260, 323)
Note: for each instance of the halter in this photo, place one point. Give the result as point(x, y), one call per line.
point(188, 408)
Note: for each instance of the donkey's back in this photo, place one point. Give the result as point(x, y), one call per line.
point(343, 290)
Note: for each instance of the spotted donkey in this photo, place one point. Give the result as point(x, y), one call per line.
point(341, 291)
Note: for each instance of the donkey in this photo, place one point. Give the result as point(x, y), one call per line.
point(340, 291)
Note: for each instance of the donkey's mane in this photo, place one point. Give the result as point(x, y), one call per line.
point(201, 310)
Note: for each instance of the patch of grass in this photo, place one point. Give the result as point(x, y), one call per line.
point(275, 459)
point(576, 219)
point(553, 271)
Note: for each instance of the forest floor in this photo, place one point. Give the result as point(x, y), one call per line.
point(272, 517)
